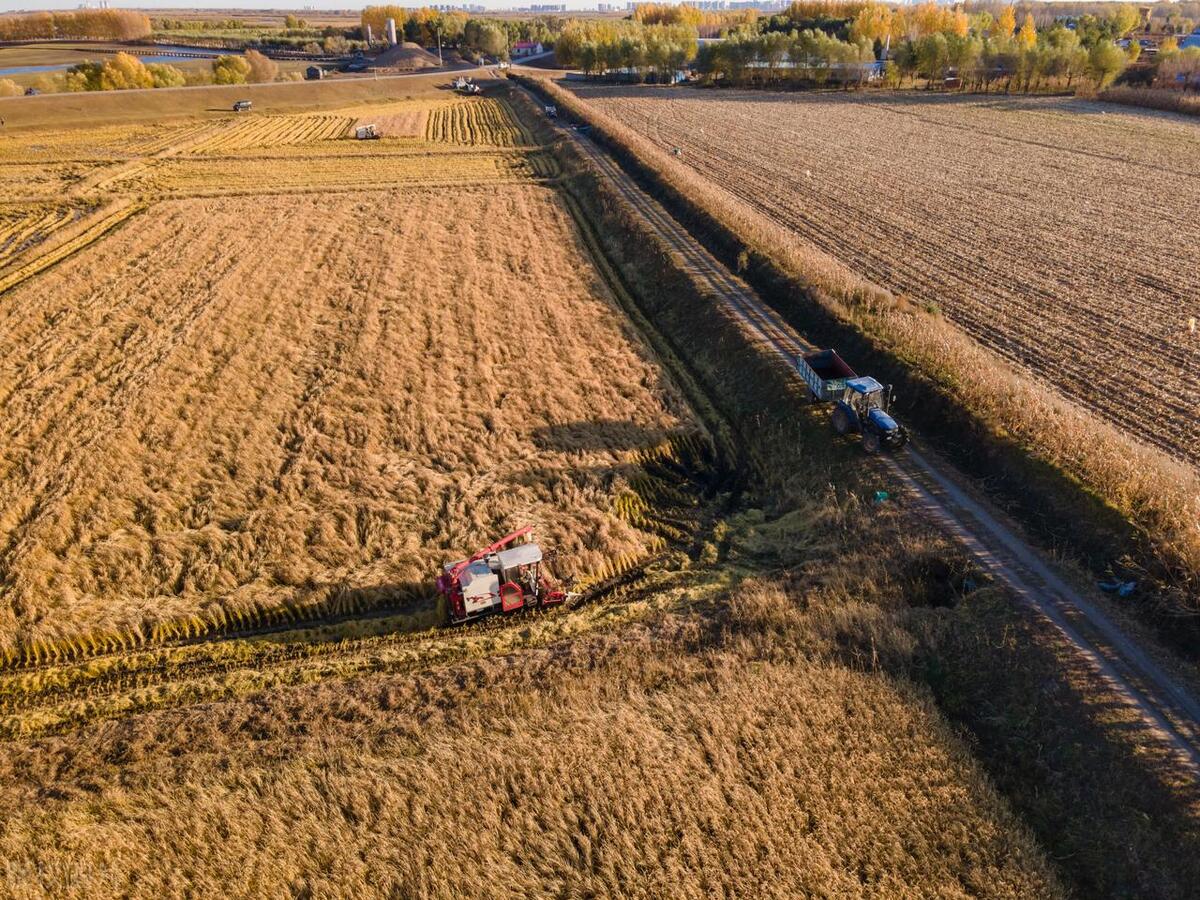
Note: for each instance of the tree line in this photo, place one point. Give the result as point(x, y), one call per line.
point(811, 55)
point(124, 71)
point(813, 42)
point(427, 25)
point(84, 24)
point(603, 45)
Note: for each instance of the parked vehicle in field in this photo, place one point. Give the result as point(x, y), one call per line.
point(860, 403)
point(366, 133)
point(242, 106)
point(551, 111)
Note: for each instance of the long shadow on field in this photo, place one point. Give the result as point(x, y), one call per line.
point(412, 603)
point(601, 434)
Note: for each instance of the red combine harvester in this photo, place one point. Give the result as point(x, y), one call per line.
point(497, 579)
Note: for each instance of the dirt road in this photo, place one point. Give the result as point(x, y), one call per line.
point(1161, 703)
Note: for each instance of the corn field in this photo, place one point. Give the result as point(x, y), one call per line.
point(892, 190)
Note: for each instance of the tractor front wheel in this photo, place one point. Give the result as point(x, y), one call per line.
point(871, 441)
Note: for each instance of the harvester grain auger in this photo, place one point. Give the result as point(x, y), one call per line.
point(503, 577)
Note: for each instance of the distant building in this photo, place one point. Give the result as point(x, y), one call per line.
point(526, 48)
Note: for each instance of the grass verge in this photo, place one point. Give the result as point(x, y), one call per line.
point(1153, 98)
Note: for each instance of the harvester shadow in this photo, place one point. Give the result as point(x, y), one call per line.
point(685, 457)
point(379, 609)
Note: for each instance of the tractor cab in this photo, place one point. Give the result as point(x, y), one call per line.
point(500, 578)
point(864, 408)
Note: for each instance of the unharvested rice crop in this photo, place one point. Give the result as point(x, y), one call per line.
point(620, 767)
point(197, 419)
point(1061, 234)
point(273, 131)
point(100, 143)
point(475, 121)
point(408, 124)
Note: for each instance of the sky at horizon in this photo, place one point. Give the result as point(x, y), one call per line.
point(298, 7)
point(303, 5)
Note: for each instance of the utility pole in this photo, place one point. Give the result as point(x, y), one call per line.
point(439, 35)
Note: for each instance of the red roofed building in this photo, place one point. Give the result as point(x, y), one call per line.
point(527, 48)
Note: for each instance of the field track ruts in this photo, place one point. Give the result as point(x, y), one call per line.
point(1062, 239)
point(1165, 708)
point(184, 674)
point(95, 227)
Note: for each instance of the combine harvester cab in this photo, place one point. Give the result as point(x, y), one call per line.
point(500, 578)
point(860, 402)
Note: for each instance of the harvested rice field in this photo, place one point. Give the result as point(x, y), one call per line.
point(250, 400)
point(1059, 233)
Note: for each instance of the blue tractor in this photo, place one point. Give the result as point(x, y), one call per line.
point(860, 403)
point(863, 407)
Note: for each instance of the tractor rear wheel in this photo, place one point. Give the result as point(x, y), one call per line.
point(841, 421)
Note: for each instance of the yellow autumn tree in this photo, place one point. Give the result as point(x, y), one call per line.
point(230, 70)
point(123, 72)
point(1006, 23)
point(1027, 37)
point(960, 25)
point(873, 22)
point(261, 68)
